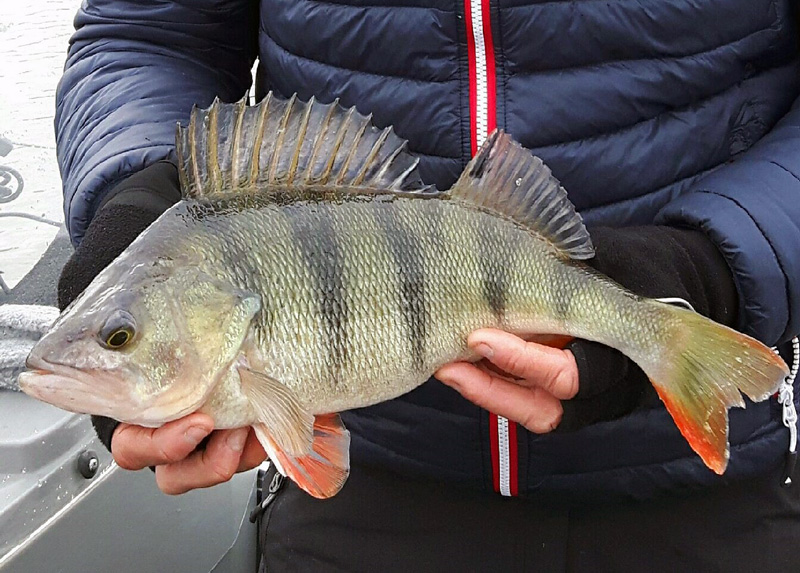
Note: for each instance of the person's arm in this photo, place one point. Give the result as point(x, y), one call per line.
point(134, 69)
point(750, 208)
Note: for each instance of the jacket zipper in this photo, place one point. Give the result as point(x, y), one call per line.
point(483, 120)
point(482, 81)
point(503, 442)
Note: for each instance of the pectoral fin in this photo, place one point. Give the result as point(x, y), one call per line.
point(314, 452)
point(278, 409)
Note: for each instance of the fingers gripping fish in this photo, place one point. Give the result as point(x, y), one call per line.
point(308, 270)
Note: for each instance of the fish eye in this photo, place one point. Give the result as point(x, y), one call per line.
point(118, 339)
point(118, 330)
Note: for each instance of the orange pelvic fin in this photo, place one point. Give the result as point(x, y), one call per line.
point(559, 341)
point(323, 471)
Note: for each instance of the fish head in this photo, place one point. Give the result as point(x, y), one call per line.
point(143, 346)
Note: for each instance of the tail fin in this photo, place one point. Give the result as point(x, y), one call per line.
point(701, 371)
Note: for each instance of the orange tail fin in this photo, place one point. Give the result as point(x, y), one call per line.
point(700, 371)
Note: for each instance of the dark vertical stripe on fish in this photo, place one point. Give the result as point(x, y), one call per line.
point(494, 270)
point(313, 233)
point(411, 273)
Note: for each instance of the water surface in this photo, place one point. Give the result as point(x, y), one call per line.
point(34, 37)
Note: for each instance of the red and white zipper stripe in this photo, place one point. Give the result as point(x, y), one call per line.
point(483, 120)
point(503, 439)
point(482, 82)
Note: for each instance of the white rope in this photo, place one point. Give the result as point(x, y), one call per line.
point(20, 327)
point(786, 399)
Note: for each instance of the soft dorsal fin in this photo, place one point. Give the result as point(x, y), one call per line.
point(230, 148)
point(506, 179)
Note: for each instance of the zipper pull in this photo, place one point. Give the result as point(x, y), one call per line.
point(274, 486)
point(791, 462)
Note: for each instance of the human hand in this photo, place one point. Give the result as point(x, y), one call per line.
point(522, 381)
point(544, 388)
point(172, 449)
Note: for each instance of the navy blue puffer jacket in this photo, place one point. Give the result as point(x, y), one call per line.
point(649, 111)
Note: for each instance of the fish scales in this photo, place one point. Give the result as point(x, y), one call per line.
point(313, 230)
point(411, 289)
point(365, 297)
point(309, 270)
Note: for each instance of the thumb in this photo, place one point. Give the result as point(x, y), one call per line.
point(535, 364)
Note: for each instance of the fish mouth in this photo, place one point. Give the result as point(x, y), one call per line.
point(100, 393)
point(39, 371)
point(72, 389)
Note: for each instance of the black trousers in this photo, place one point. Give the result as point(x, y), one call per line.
point(381, 522)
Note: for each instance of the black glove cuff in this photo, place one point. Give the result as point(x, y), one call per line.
point(128, 209)
point(654, 262)
point(611, 385)
point(112, 229)
point(713, 275)
point(599, 367)
point(668, 262)
point(155, 188)
point(104, 427)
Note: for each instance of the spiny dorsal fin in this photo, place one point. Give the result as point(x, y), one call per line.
point(230, 148)
point(505, 178)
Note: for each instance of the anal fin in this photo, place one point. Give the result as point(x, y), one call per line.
point(559, 341)
point(323, 471)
